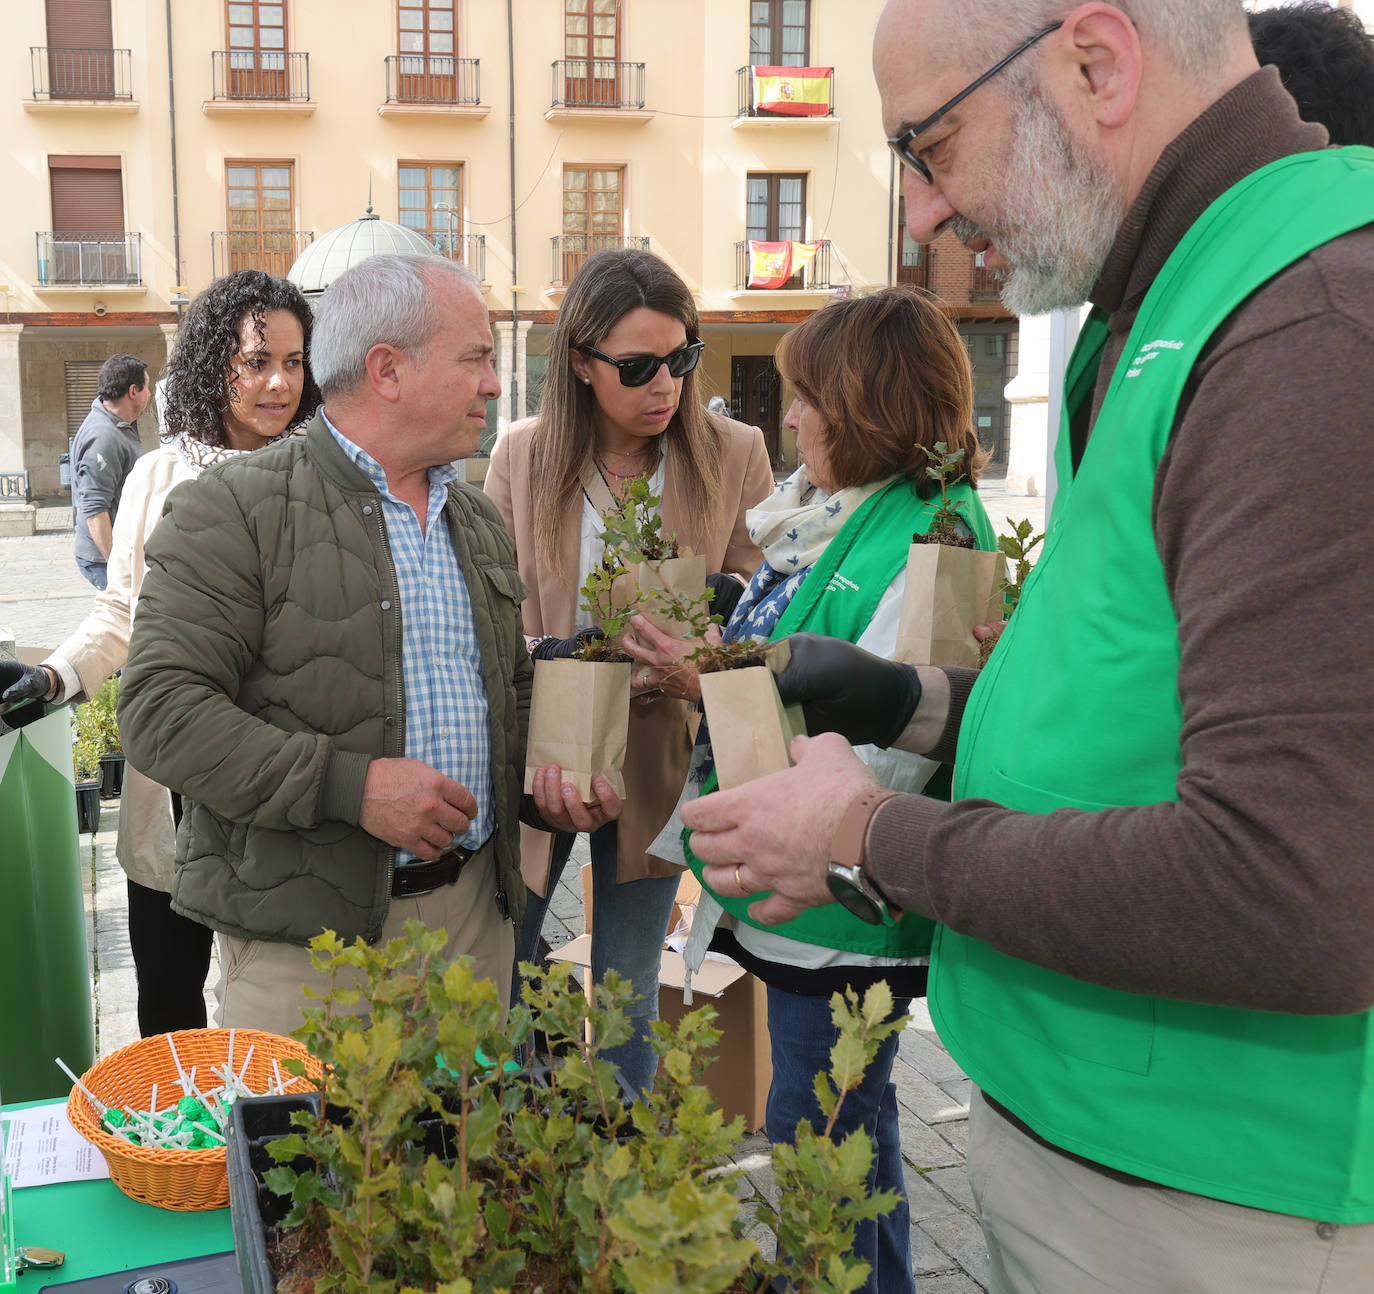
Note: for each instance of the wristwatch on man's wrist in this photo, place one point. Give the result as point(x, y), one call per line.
point(851, 887)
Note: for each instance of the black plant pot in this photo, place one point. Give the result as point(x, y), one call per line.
point(88, 806)
point(111, 776)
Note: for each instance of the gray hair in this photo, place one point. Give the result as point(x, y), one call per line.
point(1193, 33)
point(387, 298)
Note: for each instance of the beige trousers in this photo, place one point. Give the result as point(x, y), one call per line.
point(1055, 1226)
point(260, 984)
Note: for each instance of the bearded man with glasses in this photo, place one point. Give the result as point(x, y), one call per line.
point(1153, 880)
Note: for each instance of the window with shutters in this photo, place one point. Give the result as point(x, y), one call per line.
point(426, 44)
point(592, 214)
point(83, 385)
point(431, 204)
point(261, 216)
point(778, 33)
point(591, 50)
point(80, 53)
point(87, 243)
point(775, 207)
point(257, 49)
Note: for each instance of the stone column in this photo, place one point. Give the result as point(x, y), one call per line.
point(11, 401)
point(501, 333)
point(1028, 395)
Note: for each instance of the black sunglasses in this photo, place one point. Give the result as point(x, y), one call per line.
point(639, 370)
point(901, 144)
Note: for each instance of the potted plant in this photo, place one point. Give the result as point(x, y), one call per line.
point(950, 584)
point(658, 576)
point(1016, 548)
point(432, 1161)
point(103, 707)
point(86, 770)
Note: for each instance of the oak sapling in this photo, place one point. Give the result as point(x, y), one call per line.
point(948, 527)
point(1016, 548)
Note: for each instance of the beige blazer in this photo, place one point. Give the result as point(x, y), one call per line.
point(659, 744)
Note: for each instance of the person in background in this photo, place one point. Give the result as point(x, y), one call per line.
point(716, 404)
point(879, 380)
point(103, 453)
point(241, 370)
point(1153, 881)
point(1325, 58)
point(327, 660)
point(620, 403)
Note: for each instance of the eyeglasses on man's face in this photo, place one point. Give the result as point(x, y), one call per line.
point(901, 144)
point(639, 370)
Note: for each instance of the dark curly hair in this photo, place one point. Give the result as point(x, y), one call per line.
point(1326, 61)
point(199, 373)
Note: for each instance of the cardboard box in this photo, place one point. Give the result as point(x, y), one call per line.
point(742, 1067)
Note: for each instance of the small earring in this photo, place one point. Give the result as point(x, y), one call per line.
point(586, 381)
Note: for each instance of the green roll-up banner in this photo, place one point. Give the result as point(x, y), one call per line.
point(45, 989)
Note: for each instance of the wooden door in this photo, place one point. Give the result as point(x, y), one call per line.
point(426, 43)
point(591, 48)
point(779, 33)
point(257, 49)
point(592, 209)
point(756, 398)
point(261, 217)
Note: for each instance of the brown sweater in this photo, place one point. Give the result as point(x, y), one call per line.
point(1256, 887)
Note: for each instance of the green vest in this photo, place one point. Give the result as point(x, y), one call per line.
point(1079, 708)
point(838, 599)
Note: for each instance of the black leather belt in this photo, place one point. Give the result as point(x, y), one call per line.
point(421, 878)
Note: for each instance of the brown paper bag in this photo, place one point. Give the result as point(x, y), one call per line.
point(643, 584)
point(751, 729)
point(579, 718)
point(948, 591)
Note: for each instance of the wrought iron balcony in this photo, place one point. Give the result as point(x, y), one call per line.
point(466, 249)
point(571, 250)
point(432, 78)
point(80, 73)
point(597, 83)
point(917, 267)
point(813, 277)
point(272, 250)
point(68, 259)
point(984, 284)
point(271, 75)
point(14, 487)
point(748, 107)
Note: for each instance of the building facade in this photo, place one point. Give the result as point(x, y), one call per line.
point(162, 144)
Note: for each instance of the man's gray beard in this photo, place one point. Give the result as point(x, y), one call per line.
point(1059, 218)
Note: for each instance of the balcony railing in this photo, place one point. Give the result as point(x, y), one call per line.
point(14, 487)
point(466, 249)
point(571, 250)
point(273, 250)
point(790, 103)
point(983, 282)
point(80, 73)
point(432, 78)
point(917, 267)
point(597, 83)
point(273, 75)
point(814, 277)
point(77, 259)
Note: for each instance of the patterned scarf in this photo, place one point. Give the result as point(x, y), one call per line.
point(197, 455)
point(792, 526)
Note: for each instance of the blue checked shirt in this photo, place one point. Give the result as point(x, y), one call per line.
point(446, 697)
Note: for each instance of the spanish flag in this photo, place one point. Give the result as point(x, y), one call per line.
point(772, 264)
point(794, 91)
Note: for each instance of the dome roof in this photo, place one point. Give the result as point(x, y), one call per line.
point(334, 252)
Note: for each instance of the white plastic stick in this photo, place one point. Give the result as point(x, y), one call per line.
point(247, 1060)
point(90, 1096)
point(176, 1060)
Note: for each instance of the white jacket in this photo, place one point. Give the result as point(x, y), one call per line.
point(100, 646)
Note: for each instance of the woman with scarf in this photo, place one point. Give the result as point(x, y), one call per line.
point(238, 379)
point(879, 380)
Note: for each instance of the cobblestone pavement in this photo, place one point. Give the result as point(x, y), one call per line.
point(43, 598)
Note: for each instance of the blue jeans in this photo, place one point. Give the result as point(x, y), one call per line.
point(93, 571)
point(802, 1034)
point(629, 923)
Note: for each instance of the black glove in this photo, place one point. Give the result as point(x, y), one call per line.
point(563, 648)
point(844, 689)
point(23, 682)
point(726, 591)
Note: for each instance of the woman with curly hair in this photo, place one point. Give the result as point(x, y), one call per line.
point(621, 402)
point(238, 379)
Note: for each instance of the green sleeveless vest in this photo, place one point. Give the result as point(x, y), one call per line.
point(838, 599)
point(1079, 708)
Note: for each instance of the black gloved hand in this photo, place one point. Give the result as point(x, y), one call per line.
point(844, 689)
point(563, 648)
point(726, 591)
point(23, 682)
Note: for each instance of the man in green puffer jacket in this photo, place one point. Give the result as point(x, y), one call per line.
point(328, 661)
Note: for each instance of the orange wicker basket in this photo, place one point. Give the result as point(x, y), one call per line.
point(175, 1179)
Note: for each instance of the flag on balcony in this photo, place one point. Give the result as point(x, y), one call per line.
point(772, 264)
point(795, 91)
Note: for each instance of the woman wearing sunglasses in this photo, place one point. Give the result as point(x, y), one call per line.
point(620, 401)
